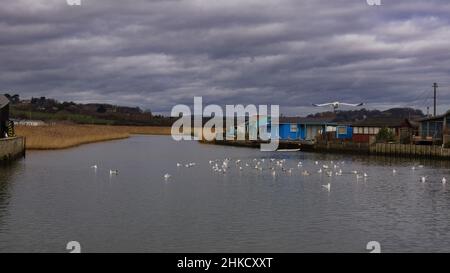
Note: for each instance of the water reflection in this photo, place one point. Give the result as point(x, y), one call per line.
point(7, 173)
point(51, 198)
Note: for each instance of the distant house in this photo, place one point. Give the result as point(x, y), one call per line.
point(4, 115)
point(28, 122)
point(365, 131)
point(434, 130)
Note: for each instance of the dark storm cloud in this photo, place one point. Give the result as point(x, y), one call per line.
point(156, 54)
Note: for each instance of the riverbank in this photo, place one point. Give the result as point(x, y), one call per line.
point(61, 136)
point(379, 149)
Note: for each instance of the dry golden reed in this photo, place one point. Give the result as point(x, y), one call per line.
point(62, 136)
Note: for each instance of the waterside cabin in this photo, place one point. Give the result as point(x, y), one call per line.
point(4, 116)
point(304, 129)
point(365, 131)
point(434, 130)
point(11, 147)
point(289, 128)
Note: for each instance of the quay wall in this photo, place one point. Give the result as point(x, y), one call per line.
point(382, 149)
point(11, 148)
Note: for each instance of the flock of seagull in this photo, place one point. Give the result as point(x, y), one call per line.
point(279, 167)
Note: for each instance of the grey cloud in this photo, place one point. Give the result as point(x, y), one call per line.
point(156, 54)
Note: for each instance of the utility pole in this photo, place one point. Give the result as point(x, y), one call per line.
point(435, 86)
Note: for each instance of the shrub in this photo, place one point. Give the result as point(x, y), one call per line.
point(385, 135)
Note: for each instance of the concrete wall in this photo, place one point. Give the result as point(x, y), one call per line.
point(11, 148)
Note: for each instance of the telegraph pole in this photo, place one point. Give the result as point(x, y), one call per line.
point(435, 86)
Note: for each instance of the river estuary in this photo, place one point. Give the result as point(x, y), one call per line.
point(257, 205)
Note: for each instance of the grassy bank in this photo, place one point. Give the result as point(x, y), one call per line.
point(64, 117)
point(62, 136)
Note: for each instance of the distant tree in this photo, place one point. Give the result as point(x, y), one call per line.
point(385, 135)
point(101, 109)
point(15, 99)
point(148, 112)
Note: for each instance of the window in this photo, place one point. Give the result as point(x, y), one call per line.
point(342, 130)
point(376, 130)
point(294, 128)
point(366, 130)
point(371, 131)
point(355, 130)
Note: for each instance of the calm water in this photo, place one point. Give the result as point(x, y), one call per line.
point(54, 197)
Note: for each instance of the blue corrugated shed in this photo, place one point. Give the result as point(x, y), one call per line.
point(296, 128)
point(344, 132)
point(290, 131)
point(292, 128)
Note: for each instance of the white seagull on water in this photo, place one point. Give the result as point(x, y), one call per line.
point(327, 186)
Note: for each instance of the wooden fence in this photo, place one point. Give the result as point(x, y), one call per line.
point(338, 147)
point(410, 150)
point(383, 149)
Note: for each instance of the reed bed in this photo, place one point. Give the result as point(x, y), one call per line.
point(146, 130)
point(61, 136)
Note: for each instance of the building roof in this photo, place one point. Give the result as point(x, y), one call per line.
point(3, 101)
point(384, 122)
point(303, 120)
point(435, 117)
point(294, 120)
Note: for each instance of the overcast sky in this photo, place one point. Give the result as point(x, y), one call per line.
point(155, 54)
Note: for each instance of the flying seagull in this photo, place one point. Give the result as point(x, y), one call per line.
point(337, 104)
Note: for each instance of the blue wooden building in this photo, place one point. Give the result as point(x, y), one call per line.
point(297, 128)
point(344, 132)
point(289, 128)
